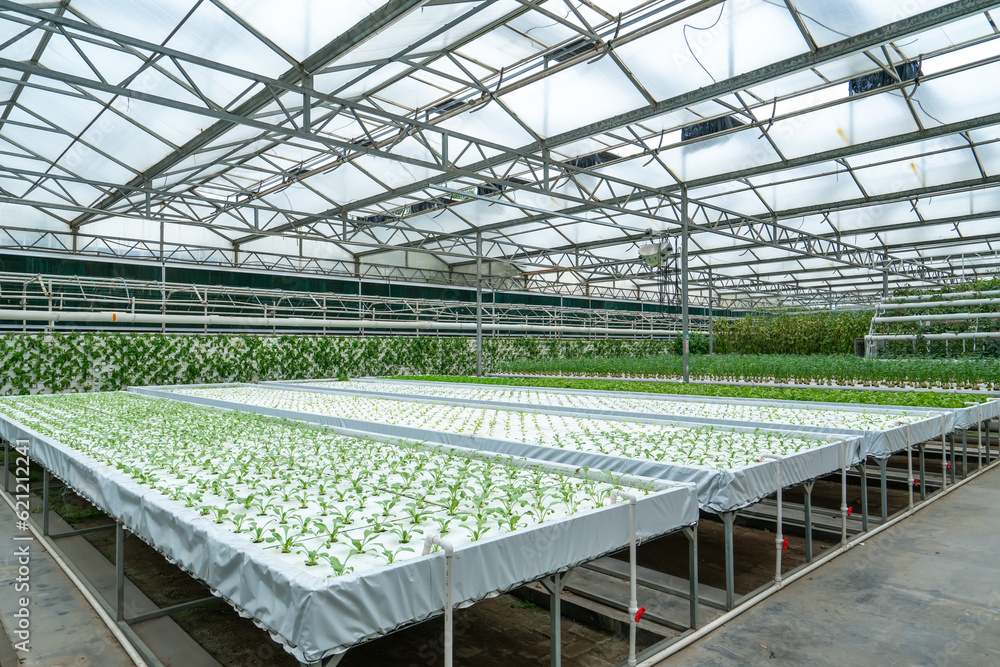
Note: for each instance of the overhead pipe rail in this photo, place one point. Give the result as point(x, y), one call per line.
point(72, 297)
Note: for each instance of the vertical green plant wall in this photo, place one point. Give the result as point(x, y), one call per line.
point(48, 363)
point(813, 333)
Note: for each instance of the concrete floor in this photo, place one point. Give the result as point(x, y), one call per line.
point(924, 592)
point(64, 628)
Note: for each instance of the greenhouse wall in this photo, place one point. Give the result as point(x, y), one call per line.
point(48, 363)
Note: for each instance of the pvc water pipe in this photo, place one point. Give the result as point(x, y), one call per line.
point(947, 295)
point(936, 304)
point(449, 605)
point(657, 658)
point(779, 538)
point(112, 317)
point(938, 317)
point(940, 336)
point(633, 603)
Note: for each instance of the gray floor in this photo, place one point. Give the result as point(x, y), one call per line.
point(64, 629)
point(924, 592)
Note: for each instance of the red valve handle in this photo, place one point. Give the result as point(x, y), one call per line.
point(638, 614)
point(849, 510)
point(784, 544)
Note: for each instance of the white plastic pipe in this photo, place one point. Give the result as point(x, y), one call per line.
point(633, 603)
point(935, 304)
point(940, 336)
point(938, 317)
point(449, 602)
point(657, 659)
point(779, 538)
point(948, 295)
point(111, 317)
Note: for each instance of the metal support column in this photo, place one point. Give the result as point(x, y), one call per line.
point(479, 304)
point(120, 571)
point(685, 315)
point(692, 535)
point(923, 472)
point(951, 461)
point(45, 502)
point(555, 589)
point(808, 518)
point(863, 469)
point(711, 315)
point(727, 520)
point(965, 453)
point(882, 463)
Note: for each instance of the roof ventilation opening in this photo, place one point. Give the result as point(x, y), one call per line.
point(444, 106)
point(430, 205)
point(572, 50)
point(374, 219)
point(490, 189)
point(863, 84)
point(588, 161)
point(710, 127)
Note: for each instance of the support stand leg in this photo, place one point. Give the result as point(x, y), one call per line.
point(45, 502)
point(863, 469)
point(951, 460)
point(120, 572)
point(727, 520)
point(882, 463)
point(692, 535)
point(965, 453)
point(555, 588)
point(6, 466)
point(923, 472)
point(808, 487)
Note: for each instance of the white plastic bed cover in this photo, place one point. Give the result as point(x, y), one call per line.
point(719, 490)
point(315, 617)
point(878, 443)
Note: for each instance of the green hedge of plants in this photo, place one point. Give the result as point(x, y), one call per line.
point(46, 363)
point(814, 333)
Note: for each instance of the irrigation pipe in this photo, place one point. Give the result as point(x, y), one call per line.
point(687, 640)
point(136, 658)
point(111, 317)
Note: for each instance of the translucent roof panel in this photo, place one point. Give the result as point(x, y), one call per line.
point(535, 122)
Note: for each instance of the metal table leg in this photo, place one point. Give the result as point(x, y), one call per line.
point(727, 520)
point(808, 488)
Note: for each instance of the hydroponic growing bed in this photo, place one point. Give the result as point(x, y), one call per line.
point(885, 429)
point(729, 465)
point(315, 534)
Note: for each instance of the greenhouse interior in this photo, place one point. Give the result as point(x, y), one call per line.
point(583, 333)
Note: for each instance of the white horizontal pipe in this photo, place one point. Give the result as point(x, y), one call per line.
point(941, 336)
point(110, 317)
point(938, 317)
point(948, 295)
point(935, 304)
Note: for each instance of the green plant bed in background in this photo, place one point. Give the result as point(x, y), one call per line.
point(840, 369)
point(923, 399)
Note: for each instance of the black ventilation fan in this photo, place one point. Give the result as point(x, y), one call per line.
point(710, 127)
point(863, 84)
